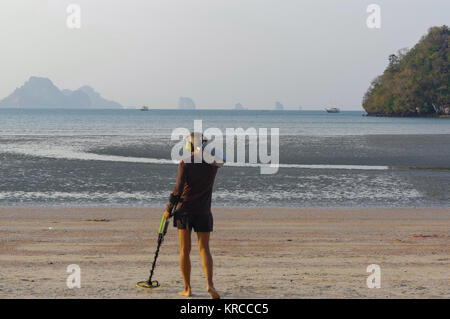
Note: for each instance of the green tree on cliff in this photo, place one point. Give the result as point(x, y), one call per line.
point(416, 82)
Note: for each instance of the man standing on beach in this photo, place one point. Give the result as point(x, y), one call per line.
point(194, 186)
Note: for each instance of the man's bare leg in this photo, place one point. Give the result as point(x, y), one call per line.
point(185, 261)
point(207, 262)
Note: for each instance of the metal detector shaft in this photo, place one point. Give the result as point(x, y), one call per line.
point(161, 233)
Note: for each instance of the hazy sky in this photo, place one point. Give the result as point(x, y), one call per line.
point(218, 52)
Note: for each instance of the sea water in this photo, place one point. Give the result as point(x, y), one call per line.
point(122, 157)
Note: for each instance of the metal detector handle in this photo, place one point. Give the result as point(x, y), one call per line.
point(174, 208)
point(163, 226)
point(164, 222)
point(174, 211)
point(166, 225)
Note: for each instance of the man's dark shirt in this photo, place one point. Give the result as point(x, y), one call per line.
point(195, 185)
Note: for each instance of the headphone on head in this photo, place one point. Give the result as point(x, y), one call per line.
point(190, 146)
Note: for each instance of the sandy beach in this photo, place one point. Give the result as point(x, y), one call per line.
point(258, 253)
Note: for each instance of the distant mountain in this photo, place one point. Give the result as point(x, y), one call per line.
point(94, 97)
point(41, 92)
point(186, 103)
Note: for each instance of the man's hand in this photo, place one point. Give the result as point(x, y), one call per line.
point(167, 214)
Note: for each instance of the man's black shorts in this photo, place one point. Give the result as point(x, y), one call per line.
point(200, 223)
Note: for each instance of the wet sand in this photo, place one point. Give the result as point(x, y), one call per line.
point(258, 253)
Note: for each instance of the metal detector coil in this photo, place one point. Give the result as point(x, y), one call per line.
point(146, 284)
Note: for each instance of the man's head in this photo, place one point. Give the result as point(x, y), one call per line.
point(196, 142)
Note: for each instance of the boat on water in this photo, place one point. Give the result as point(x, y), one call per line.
point(144, 108)
point(332, 110)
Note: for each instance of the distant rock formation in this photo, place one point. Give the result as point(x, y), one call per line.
point(186, 103)
point(95, 98)
point(42, 93)
point(278, 106)
point(239, 106)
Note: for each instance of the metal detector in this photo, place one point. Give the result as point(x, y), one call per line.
point(161, 233)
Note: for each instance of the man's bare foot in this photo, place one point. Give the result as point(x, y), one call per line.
point(212, 291)
point(185, 293)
